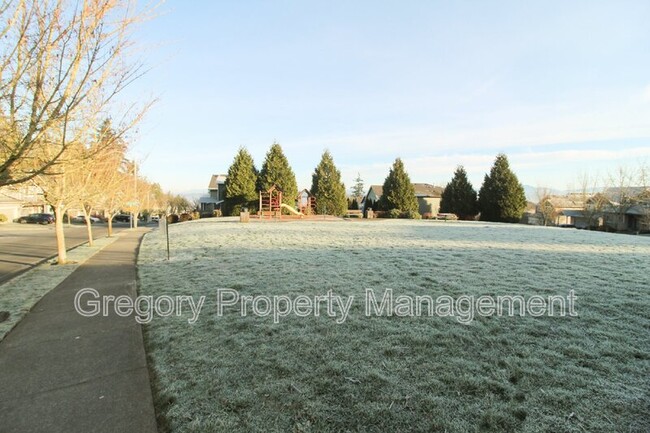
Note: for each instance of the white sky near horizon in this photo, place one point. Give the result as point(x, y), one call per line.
point(563, 88)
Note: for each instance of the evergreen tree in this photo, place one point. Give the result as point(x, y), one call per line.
point(502, 197)
point(241, 184)
point(368, 204)
point(327, 188)
point(358, 189)
point(276, 171)
point(459, 196)
point(354, 204)
point(398, 191)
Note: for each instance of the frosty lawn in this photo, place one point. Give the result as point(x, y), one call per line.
point(378, 374)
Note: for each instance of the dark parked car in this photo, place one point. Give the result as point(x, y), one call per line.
point(122, 218)
point(36, 218)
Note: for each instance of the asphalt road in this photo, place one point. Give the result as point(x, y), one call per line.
point(22, 246)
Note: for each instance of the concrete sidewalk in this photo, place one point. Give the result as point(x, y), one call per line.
point(61, 372)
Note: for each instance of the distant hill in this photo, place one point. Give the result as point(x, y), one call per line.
point(531, 192)
point(194, 194)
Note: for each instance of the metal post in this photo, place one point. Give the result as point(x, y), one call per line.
point(167, 235)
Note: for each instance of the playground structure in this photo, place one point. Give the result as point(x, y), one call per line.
point(271, 204)
point(306, 202)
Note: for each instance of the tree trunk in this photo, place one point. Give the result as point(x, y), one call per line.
point(89, 227)
point(60, 236)
point(110, 226)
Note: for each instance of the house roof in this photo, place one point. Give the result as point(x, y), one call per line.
point(421, 190)
point(305, 191)
point(573, 213)
point(565, 201)
point(639, 210)
point(216, 180)
point(378, 189)
point(427, 190)
point(208, 200)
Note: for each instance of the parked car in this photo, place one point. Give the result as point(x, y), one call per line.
point(155, 218)
point(122, 218)
point(81, 219)
point(36, 218)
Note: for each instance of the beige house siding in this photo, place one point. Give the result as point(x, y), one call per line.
point(21, 200)
point(429, 205)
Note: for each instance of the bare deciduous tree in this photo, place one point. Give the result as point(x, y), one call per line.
point(99, 174)
point(61, 63)
point(544, 206)
point(59, 191)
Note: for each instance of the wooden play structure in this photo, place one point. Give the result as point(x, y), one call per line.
point(270, 202)
point(271, 205)
point(306, 202)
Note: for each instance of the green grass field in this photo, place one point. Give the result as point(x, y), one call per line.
point(589, 373)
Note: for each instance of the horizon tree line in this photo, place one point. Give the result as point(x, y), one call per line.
point(500, 199)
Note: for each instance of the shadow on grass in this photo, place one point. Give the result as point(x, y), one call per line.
point(375, 374)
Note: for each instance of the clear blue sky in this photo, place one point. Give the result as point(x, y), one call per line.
point(562, 87)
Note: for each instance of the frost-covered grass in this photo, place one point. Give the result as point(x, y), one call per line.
point(18, 295)
point(380, 374)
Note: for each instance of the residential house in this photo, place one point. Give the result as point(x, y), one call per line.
point(627, 209)
point(19, 200)
point(560, 210)
point(216, 194)
point(615, 209)
point(372, 197)
point(428, 197)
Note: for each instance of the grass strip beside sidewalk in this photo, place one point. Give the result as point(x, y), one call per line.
point(20, 294)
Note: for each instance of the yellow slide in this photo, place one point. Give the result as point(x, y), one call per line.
point(292, 210)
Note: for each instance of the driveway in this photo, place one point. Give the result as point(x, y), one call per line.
point(23, 246)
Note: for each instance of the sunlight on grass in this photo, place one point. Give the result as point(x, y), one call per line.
point(378, 374)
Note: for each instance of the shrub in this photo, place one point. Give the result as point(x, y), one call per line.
point(217, 213)
point(236, 209)
point(185, 217)
point(172, 219)
point(394, 213)
point(413, 215)
point(3, 218)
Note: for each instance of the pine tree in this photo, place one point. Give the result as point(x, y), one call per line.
point(276, 171)
point(358, 189)
point(327, 188)
point(459, 196)
point(369, 204)
point(241, 184)
point(398, 191)
point(502, 197)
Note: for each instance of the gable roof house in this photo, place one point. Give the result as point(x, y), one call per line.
point(627, 209)
point(374, 194)
point(616, 209)
point(216, 194)
point(561, 210)
point(428, 197)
